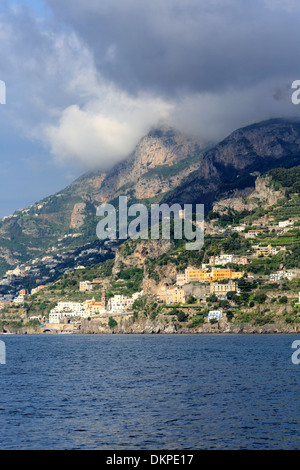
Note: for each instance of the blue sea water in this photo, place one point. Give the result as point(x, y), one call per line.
point(155, 392)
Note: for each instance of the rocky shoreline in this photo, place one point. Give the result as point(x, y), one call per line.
point(148, 327)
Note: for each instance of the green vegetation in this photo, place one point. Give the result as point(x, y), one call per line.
point(181, 316)
point(288, 178)
point(231, 217)
point(166, 171)
point(260, 297)
point(112, 322)
point(257, 302)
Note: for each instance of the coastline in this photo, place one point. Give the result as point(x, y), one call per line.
point(92, 328)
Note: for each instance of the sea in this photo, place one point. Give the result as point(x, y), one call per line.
point(149, 392)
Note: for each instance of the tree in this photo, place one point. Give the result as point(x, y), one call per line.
point(181, 316)
point(260, 297)
point(223, 303)
point(229, 315)
point(244, 285)
point(112, 322)
point(212, 298)
point(230, 294)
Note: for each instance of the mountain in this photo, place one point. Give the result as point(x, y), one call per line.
point(160, 162)
point(153, 265)
point(250, 180)
point(232, 166)
point(166, 166)
point(67, 220)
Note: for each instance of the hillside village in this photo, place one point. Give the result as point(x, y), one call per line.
point(255, 284)
point(245, 278)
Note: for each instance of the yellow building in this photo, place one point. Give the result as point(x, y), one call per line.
point(203, 275)
point(192, 274)
point(172, 295)
point(221, 274)
point(237, 274)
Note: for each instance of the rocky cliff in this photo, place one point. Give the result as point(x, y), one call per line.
point(136, 253)
point(264, 195)
point(235, 162)
point(142, 325)
point(159, 163)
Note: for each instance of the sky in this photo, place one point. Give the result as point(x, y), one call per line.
point(85, 80)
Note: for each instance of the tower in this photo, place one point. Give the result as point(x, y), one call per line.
point(103, 298)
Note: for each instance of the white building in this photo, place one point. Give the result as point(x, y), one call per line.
point(292, 274)
point(55, 317)
point(66, 309)
point(252, 233)
point(38, 318)
point(121, 302)
point(73, 306)
point(215, 315)
point(285, 223)
point(279, 275)
point(224, 259)
point(118, 302)
point(240, 228)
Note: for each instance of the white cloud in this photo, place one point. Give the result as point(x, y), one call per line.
point(57, 96)
point(105, 129)
point(63, 91)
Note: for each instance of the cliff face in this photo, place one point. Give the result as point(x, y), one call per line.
point(273, 139)
point(263, 195)
point(160, 150)
point(234, 163)
point(142, 325)
point(135, 254)
point(165, 275)
point(78, 216)
point(146, 326)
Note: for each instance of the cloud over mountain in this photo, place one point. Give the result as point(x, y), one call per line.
point(89, 79)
